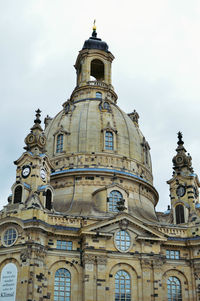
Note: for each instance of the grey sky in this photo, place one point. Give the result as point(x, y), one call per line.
point(156, 71)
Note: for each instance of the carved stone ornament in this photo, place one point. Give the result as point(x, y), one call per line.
point(123, 224)
point(134, 116)
point(89, 259)
point(145, 263)
point(25, 254)
point(101, 260)
point(158, 263)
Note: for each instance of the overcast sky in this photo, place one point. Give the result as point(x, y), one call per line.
point(156, 71)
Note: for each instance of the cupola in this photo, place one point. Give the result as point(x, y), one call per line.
point(93, 69)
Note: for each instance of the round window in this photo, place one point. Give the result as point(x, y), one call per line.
point(122, 240)
point(9, 237)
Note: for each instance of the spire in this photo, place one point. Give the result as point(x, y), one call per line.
point(182, 161)
point(180, 136)
point(94, 33)
point(36, 140)
point(37, 115)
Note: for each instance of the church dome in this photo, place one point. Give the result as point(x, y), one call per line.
point(98, 151)
point(84, 128)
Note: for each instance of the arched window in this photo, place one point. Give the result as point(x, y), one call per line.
point(122, 286)
point(48, 204)
point(59, 143)
point(174, 289)
point(62, 285)
point(114, 197)
point(98, 95)
point(18, 194)
point(97, 69)
point(109, 140)
point(180, 214)
point(106, 105)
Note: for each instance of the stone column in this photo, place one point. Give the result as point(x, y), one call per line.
point(157, 279)
point(101, 262)
point(197, 280)
point(89, 278)
point(147, 285)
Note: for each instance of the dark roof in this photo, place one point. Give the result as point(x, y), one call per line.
point(95, 43)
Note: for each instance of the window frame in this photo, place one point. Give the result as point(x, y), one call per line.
point(3, 237)
point(47, 201)
point(173, 254)
point(180, 215)
point(122, 284)
point(63, 245)
point(123, 242)
point(174, 288)
point(66, 290)
point(59, 147)
point(22, 190)
point(108, 140)
point(98, 95)
point(114, 201)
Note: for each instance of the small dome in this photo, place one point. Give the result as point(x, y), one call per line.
point(95, 43)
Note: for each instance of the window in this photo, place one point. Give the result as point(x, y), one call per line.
point(109, 140)
point(62, 285)
point(123, 240)
point(97, 70)
point(59, 144)
point(64, 245)
point(18, 194)
point(171, 254)
point(48, 199)
point(106, 105)
point(114, 197)
point(174, 289)
point(10, 236)
point(146, 156)
point(122, 286)
point(180, 214)
point(98, 95)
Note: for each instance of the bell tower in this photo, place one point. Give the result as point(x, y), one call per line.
point(93, 69)
point(32, 188)
point(183, 186)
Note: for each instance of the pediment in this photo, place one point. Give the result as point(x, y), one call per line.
point(125, 221)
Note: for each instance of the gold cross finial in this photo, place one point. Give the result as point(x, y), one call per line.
point(94, 25)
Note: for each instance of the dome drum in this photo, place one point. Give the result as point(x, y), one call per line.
point(86, 191)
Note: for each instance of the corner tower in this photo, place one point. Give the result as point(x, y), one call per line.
point(32, 188)
point(183, 186)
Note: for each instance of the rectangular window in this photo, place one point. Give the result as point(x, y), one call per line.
point(64, 245)
point(172, 254)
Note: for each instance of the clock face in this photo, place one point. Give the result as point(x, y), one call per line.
point(180, 191)
point(26, 171)
point(43, 174)
point(179, 159)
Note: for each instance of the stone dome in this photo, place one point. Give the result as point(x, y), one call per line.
point(101, 159)
point(84, 127)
